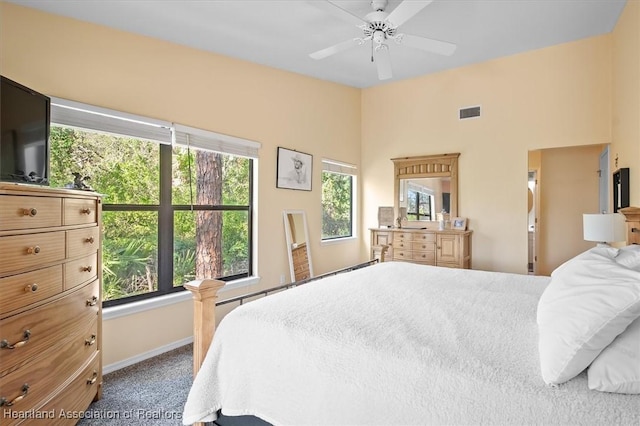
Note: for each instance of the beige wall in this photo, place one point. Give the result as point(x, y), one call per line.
point(96, 65)
point(568, 186)
point(553, 97)
point(626, 96)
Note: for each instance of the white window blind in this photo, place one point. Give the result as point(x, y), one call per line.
point(211, 141)
point(339, 167)
point(76, 114)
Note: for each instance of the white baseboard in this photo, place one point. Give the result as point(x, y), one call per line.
point(146, 355)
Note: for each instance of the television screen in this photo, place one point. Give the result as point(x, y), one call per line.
point(24, 134)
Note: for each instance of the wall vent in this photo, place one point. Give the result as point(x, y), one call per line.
point(469, 112)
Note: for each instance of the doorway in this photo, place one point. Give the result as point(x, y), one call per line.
point(566, 184)
point(532, 220)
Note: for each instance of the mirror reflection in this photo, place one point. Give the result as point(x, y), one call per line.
point(424, 198)
point(297, 237)
point(426, 188)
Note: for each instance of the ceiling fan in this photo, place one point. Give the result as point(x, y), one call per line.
point(379, 27)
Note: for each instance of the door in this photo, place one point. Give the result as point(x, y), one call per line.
point(603, 181)
point(447, 249)
point(532, 220)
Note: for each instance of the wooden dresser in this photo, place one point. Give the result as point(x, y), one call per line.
point(50, 303)
point(450, 248)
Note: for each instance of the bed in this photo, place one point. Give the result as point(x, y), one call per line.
point(406, 344)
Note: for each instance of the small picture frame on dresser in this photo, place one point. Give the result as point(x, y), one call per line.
point(385, 217)
point(459, 223)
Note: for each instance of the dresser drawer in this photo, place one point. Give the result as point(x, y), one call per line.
point(48, 372)
point(82, 241)
point(19, 212)
point(424, 237)
point(428, 257)
point(402, 244)
point(402, 255)
point(402, 236)
point(423, 246)
point(18, 291)
point(80, 271)
point(79, 211)
point(76, 397)
point(31, 250)
point(34, 331)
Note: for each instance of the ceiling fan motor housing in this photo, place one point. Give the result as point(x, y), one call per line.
point(377, 27)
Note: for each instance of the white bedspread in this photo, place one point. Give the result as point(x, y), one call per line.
point(394, 344)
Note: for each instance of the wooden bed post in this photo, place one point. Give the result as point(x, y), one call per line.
point(204, 294)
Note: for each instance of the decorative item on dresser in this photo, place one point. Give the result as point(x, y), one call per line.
point(50, 302)
point(449, 248)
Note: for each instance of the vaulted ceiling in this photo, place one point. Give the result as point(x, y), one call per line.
point(282, 33)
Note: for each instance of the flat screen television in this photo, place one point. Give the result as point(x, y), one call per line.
point(24, 134)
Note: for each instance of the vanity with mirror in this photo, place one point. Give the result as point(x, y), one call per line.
point(425, 201)
point(297, 237)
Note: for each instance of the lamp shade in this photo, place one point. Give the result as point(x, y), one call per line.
point(604, 228)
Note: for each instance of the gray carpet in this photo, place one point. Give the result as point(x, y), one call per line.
point(152, 392)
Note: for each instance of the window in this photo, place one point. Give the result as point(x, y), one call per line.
point(177, 201)
point(338, 196)
point(419, 205)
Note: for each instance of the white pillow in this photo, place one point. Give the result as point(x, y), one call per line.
point(629, 256)
point(617, 368)
point(589, 301)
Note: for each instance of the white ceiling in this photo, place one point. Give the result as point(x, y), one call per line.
point(282, 33)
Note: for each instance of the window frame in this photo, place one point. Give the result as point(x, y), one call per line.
point(342, 168)
point(84, 117)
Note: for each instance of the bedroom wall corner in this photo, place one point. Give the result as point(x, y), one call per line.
point(553, 97)
point(625, 144)
point(114, 69)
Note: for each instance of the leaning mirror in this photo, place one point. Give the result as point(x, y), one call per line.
point(426, 187)
point(297, 237)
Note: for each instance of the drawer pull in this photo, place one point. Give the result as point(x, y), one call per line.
point(91, 341)
point(31, 288)
point(86, 211)
point(89, 240)
point(86, 269)
point(93, 301)
point(93, 378)
point(30, 212)
point(33, 250)
point(5, 403)
point(4, 344)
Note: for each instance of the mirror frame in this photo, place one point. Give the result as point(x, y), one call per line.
point(289, 241)
point(427, 166)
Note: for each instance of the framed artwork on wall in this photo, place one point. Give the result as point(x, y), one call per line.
point(294, 169)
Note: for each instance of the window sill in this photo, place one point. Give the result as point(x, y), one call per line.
point(338, 240)
point(166, 300)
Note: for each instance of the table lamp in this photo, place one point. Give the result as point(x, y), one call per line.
point(604, 228)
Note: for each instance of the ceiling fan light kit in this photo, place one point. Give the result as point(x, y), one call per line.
point(378, 27)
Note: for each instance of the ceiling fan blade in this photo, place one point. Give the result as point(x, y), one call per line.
point(336, 48)
point(383, 63)
point(337, 11)
point(406, 10)
point(428, 44)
